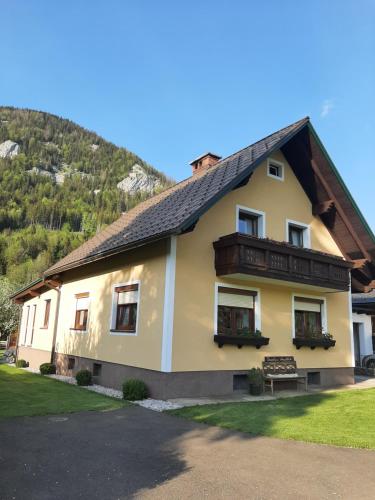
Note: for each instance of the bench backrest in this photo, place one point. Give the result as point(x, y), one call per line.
point(276, 365)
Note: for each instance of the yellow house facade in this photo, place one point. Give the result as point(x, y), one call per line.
point(253, 256)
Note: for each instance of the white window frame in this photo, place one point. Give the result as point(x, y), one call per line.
point(252, 211)
point(112, 324)
point(324, 316)
point(278, 164)
point(77, 330)
point(24, 324)
point(257, 304)
point(304, 227)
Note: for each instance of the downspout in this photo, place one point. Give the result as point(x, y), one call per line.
point(53, 349)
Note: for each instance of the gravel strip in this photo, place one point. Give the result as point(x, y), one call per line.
point(158, 404)
point(151, 404)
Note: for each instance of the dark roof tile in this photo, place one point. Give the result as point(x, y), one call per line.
point(172, 210)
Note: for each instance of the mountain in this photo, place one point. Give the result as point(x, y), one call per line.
point(59, 185)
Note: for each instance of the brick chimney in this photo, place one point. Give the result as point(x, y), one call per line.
point(204, 162)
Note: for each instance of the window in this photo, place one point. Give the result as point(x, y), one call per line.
point(82, 310)
point(298, 234)
point(307, 317)
point(236, 311)
point(25, 323)
point(250, 221)
point(96, 369)
point(46, 313)
point(295, 235)
point(275, 169)
point(126, 308)
point(71, 363)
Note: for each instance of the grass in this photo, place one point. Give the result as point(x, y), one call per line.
point(26, 394)
point(341, 418)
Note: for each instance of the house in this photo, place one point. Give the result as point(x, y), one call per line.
point(253, 255)
point(364, 329)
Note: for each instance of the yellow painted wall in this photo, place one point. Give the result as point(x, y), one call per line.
point(42, 338)
point(143, 350)
point(193, 346)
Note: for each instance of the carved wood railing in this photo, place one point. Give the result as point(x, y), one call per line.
point(243, 254)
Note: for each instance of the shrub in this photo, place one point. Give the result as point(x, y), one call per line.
point(21, 363)
point(134, 390)
point(84, 377)
point(47, 369)
point(255, 376)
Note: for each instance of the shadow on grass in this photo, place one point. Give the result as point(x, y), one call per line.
point(338, 418)
point(26, 394)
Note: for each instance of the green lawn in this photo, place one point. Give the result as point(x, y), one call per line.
point(26, 394)
point(341, 418)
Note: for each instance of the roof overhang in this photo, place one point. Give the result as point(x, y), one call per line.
point(35, 289)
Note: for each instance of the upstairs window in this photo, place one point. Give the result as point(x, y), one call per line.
point(126, 308)
point(308, 315)
point(47, 308)
point(82, 311)
point(235, 311)
point(298, 234)
point(250, 221)
point(275, 169)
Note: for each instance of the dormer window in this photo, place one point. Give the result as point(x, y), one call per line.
point(251, 222)
point(275, 169)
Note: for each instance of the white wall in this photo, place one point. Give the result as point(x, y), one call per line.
point(365, 333)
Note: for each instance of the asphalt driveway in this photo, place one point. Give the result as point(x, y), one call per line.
point(137, 453)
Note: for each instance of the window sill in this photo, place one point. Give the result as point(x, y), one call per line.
point(78, 330)
point(43, 328)
point(113, 331)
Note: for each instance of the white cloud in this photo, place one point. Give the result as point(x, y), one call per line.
point(327, 107)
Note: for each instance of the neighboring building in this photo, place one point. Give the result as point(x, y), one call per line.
point(364, 328)
point(266, 241)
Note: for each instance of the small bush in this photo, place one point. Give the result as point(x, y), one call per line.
point(255, 376)
point(84, 377)
point(21, 363)
point(134, 390)
point(47, 369)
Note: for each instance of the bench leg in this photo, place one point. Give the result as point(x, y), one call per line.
point(272, 387)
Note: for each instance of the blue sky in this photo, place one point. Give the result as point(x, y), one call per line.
point(170, 80)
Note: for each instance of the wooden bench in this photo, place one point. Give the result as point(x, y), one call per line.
point(280, 369)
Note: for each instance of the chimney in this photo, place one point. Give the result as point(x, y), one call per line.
point(204, 162)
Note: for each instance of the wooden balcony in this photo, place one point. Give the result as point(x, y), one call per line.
point(239, 254)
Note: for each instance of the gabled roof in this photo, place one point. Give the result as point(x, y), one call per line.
point(176, 209)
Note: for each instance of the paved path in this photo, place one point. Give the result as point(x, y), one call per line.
point(137, 453)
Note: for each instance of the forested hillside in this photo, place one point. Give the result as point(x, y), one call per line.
point(58, 186)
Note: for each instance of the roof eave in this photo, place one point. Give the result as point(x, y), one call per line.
point(109, 253)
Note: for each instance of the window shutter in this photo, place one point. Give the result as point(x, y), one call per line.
point(302, 304)
point(127, 294)
point(82, 303)
point(233, 299)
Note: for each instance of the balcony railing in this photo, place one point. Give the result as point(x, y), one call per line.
point(238, 254)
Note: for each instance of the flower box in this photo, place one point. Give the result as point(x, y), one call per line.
point(240, 340)
point(312, 342)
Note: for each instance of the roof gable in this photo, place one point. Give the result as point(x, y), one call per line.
point(178, 208)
